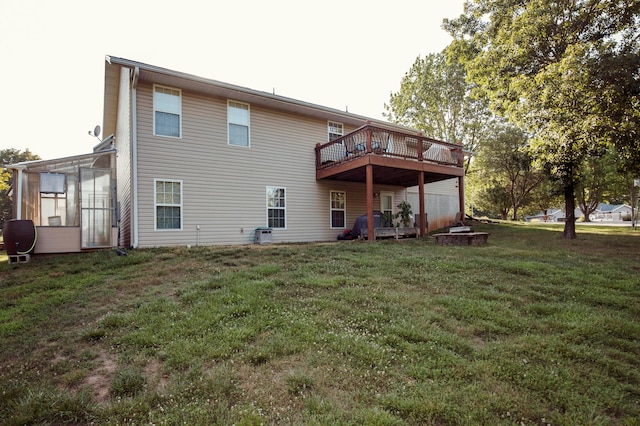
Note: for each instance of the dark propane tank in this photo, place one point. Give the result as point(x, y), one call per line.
point(19, 236)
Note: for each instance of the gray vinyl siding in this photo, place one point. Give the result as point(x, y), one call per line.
point(123, 147)
point(224, 187)
point(441, 202)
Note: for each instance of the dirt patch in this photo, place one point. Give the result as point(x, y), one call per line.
point(266, 385)
point(99, 380)
point(155, 376)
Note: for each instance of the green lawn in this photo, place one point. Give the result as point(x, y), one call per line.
point(530, 329)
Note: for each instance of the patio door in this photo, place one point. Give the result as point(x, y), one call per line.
point(386, 205)
point(96, 207)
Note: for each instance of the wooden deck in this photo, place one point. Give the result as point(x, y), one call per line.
point(397, 158)
point(375, 155)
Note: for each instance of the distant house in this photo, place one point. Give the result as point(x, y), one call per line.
point(605, 212)
point(201, 162)
point(552, 215)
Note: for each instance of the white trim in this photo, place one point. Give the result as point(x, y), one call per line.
point(153, 99)
point(155, 205)
point(279, 208)
point(248, 145)
point(331, 209)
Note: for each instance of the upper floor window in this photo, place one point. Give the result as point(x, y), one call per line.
point(336, 130)
point(167, 111)
point(276, 207)
point(238, 119)
point(168, 203)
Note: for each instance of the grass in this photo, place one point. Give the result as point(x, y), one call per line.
point(530, 329)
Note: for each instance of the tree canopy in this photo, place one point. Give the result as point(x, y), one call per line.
point(434, 97)
point(566, 70)
point(10, 156)
point(502, 177)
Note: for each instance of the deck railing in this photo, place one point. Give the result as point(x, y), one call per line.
point(370, 139)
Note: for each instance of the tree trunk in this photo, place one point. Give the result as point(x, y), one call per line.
point(570, 212)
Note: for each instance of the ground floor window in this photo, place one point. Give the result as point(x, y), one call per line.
point(338, 209)
point(168, 204)
point(276, 207)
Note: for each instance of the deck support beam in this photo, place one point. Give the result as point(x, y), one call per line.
point(461, 181)
point(423, 225)
point(370, 222)
point(461, 196)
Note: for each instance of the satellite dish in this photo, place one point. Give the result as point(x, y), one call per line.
point(96, 131)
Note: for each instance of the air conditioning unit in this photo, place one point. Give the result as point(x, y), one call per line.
point(263, 236)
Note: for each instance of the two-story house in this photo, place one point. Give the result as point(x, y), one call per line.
point(205, 162)
point(202, 162)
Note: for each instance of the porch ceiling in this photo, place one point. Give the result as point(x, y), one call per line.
point(388, 171)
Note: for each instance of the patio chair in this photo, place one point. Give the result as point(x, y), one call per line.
point(350, 145)
point(380, 141)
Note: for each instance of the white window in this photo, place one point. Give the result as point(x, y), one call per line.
point(276, 207)
point(238, 119)
point(167, 111)
point(336, 130)
point(168, 204)
point(338, 209)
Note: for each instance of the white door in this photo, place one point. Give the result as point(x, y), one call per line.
point(96, 207)
point(386, 205)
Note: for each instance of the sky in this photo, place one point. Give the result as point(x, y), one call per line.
point(344, 54)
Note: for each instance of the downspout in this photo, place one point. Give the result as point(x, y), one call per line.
point(19, 191)
point(134, 154)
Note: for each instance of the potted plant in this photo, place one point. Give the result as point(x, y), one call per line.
point(387, 219)
point(405, 214)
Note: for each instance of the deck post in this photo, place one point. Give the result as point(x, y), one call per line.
point(461, 195)
point(370, 222)
point(461, 182)
point(369, 144)
point(318, 157)
point(423, 224)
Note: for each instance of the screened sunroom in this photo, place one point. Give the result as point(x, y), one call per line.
point(71, 201)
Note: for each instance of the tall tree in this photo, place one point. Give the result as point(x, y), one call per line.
point(543, 197)
point(10, 156)
point(598, 176)
point(540, 64)
point(434, 97)
point(504, 171)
